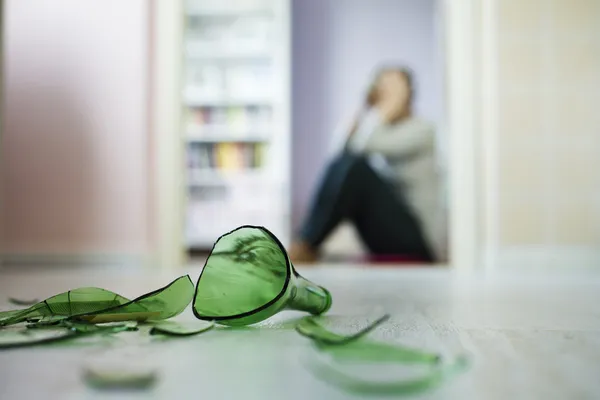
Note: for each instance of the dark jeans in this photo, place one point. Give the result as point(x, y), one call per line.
point(352, 190)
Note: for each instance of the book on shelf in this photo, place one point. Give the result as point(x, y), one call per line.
point(228, 156)
point(230, 122)
point(236, 118)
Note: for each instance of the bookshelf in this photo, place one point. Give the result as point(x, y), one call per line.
point(235, 117)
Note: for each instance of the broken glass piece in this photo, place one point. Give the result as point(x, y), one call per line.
point(310, 328)
point(14, 338)
point(371, 351)
point(181, 328)
point(119, 378)
point(248, 278)
point(63, 305)
point(356, 384)
point(355, 349)
point(43, 332)
point(22, 302)
point(4, 315)
point(51, 322)
point(160, 304)
point(129, 326)
point(86, 327)
point(97, 305)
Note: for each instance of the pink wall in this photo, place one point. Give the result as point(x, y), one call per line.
point(75, 126)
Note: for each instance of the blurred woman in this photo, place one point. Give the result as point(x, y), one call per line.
point(385, 180)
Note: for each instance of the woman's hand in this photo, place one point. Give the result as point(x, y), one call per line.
point(391, 108)
point(393, 98)
point(354, 126)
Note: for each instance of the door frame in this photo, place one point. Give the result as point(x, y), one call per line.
point(167, 186)
point(468, 217)
point(466, 244)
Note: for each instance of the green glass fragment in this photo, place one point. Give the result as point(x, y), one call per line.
point(366, 350)
point(16, 338)
point(248, 278)
point(355, 348)
point(99, 305)
point(119, 379)
point(43, 323)
point(54, 331)
point(22, 302)
point(310, 328)
point(111, 327)
point(63, 305)
point(349, 348)
point(169, 328)
point(357, 385)
point(4, 315)
point(160, 304)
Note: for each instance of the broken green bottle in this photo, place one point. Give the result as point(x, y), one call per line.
point(248, 277)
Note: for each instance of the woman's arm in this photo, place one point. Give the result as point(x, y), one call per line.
point(404, 139)
point(364, 125)
point(374, 135)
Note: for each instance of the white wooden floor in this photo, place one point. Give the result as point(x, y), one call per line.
point(530, 336)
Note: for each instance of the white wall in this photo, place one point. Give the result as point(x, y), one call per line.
point(74, 154)
point(336, 46)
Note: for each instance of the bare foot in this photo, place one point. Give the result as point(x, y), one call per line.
point(302, 253)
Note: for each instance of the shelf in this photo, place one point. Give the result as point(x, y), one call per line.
point(193, 101)
point(227, 139)
point(215, 177)
point(200, 11)
point(226, 135)
point(192, 54)
point(235, 110)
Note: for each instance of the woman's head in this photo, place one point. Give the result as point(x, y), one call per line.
point(392, 83)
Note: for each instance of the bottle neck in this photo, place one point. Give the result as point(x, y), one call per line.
point(306, 296)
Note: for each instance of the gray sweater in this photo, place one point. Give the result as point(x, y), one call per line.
point(406, 152)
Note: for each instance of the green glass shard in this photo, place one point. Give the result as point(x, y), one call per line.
point(63, 305)
point(181, 328)
point(111, 327)
point(4, 315)
point(371, 351)
point(118, 379)
point(357, 385)
point(99, 305)
point(348, 347)
point(44, 323)
point(128, 326)
point(355, 348)
point(22, 302)
point(310, 328)
point(245, 270)
point(15, 338)
point(160, 304)
point(248, 277)
point(54, 331)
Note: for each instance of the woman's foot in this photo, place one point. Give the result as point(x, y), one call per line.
point(302, 253)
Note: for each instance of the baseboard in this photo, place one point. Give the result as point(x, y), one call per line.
point(40, 260)
point(549, 256)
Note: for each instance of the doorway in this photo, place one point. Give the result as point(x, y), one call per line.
point(455, 24)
